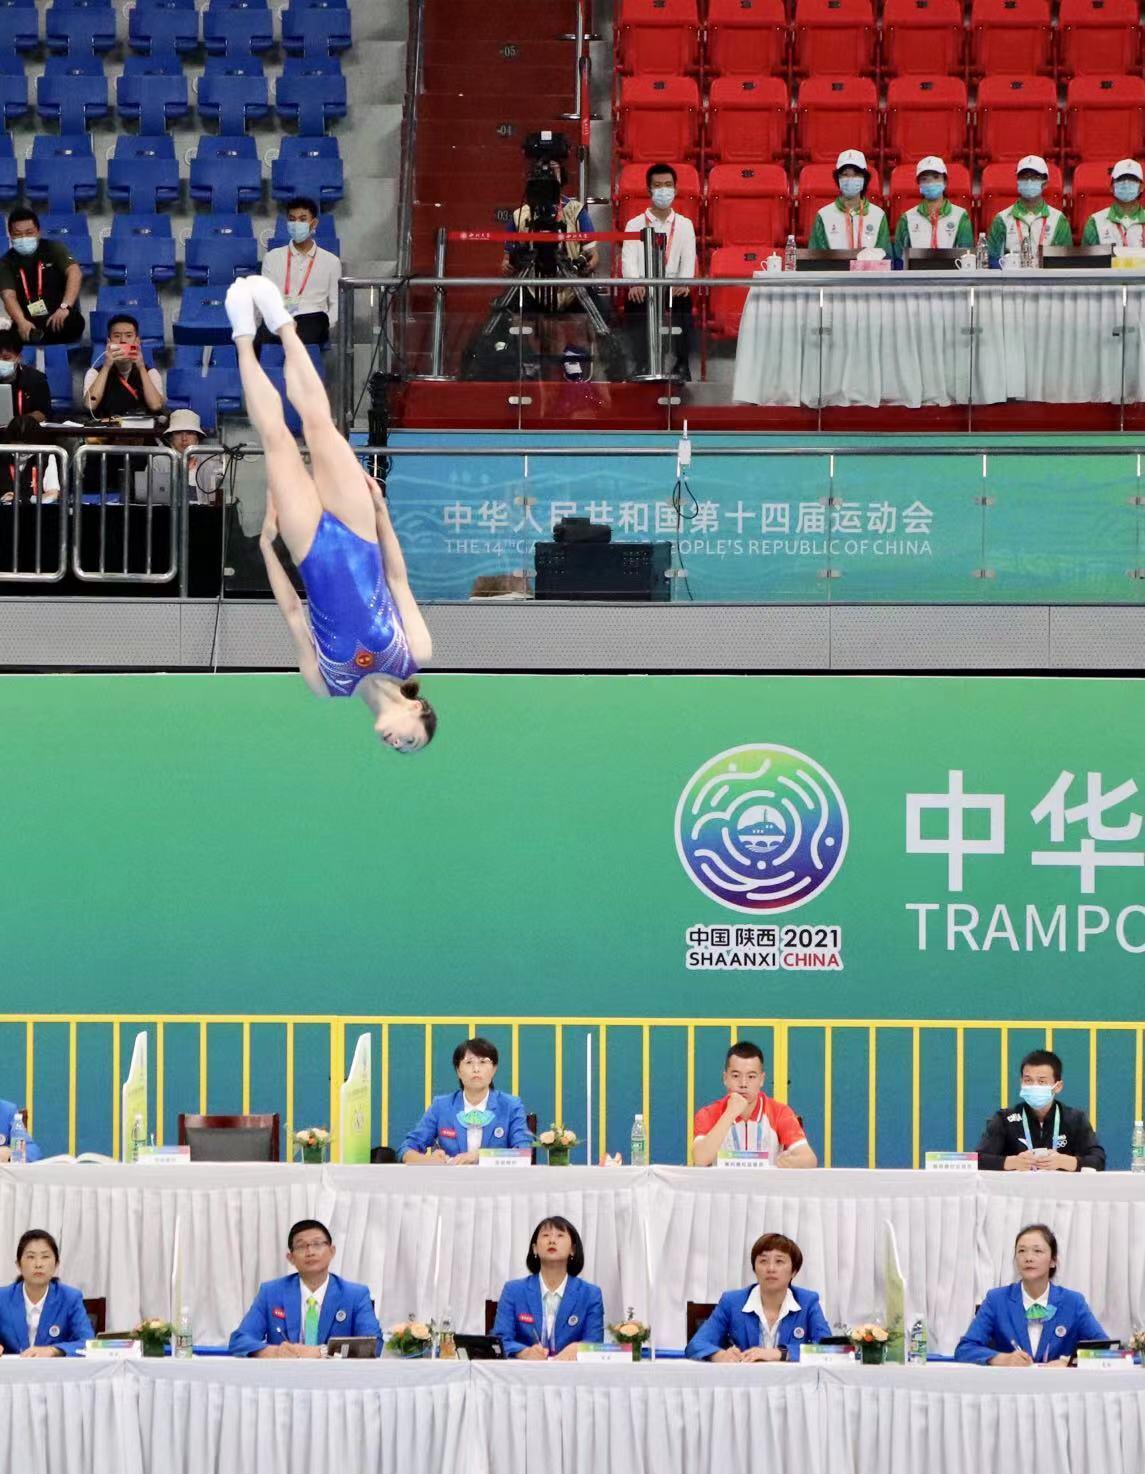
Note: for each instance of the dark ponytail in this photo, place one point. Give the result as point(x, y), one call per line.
point(411, 690)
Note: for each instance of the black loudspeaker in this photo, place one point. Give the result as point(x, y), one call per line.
point(628, 572)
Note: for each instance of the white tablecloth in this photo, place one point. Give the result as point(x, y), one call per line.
point(906, 342)
point(67, 1417)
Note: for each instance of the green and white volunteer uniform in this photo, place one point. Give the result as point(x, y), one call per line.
point(1034, 219)
point(948, 229)
point(1118, 225)
point(836, 228)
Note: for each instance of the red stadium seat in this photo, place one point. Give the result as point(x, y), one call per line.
point(1092, 191)
point(922, 36)
point(1098, 37)
point(817, 188)
point(748, 119)
point(834, 36)
point(1000, 188)
point(725, 304)
point(904, 188)
point(1105, 117)
point(926, 115)
point(835, 113)
point(746, 38)
point(747, 204)
point(631, 193)
point(1010, 36)
point(1016, 116)
point(657, 37)
point(659, 117)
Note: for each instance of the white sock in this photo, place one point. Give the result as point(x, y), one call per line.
point(268, 300)
point(240, 309)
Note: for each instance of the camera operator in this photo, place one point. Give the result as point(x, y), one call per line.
point(570, 215)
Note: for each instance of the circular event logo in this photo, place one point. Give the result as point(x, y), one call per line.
point(761, 828)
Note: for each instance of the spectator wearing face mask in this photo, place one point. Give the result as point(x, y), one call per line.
point(935, 223)
point(31, 406)
point(39, 283)
point(1029, 217)
point(678, 237)
point(1039, 1132)
point(850, 222)
point(1121, 223)
point(306, 275)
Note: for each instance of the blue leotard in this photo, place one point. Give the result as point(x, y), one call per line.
point(356, 626)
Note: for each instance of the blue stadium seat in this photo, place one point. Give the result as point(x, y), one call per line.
point(308, 166)
point(324, 234)
point(19, 28)
point(140, 248)
point(160, 26)
point(58, 371)
point(311, 93)
point(71, 231)
point(137, 298)
point(143, 172)
point(228, 31)
point(13, 89)
point(9, 178)
point(316, 27)
point(72, 92)
point(233, 93)
point(152, 92)
point(61, 170)
point(202, 316)
point(226, 172)
point(79, 30)
point(277, 377)
point(220, 247)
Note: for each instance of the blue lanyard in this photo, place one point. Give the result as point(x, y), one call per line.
point(1026, 1128)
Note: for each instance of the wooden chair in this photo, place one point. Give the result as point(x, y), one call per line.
point(230, 1138)
point(697, 1312)
point(490, 1316)
point(96, 1308)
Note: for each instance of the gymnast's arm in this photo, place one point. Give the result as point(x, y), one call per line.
point(417, 634)
point(291, 606)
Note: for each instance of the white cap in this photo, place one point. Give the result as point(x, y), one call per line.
point(932, 164)
point(1127, 166)
point(1034, 162)
point(853, 157)
point(183, 419)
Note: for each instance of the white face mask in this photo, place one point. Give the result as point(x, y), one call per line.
point(663, 196)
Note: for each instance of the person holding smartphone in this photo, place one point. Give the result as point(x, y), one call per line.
point(120, 384)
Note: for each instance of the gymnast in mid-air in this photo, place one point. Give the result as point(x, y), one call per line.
point(361, 630)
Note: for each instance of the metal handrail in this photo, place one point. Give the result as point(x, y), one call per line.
point(862, 281)
point(415, 60)
point(38, 455)
point(176, 495)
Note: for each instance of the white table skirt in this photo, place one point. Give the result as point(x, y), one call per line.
point(654, 1238)
point(908, 344)
point(67, 1417)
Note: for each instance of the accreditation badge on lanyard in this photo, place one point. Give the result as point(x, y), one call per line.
point(293, 301)
point(1057, 1139)
point(671, 233)
point(37, 307)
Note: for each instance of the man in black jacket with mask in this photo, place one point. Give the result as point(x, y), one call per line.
point(1038, 1133)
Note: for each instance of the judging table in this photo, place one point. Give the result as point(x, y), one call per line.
point(943, 338)
point(220, 1416)
point(436, 1239)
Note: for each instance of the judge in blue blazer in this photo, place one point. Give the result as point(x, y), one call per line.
point(38, 1315)
point(297, 1314)
point(1032, 1321)
point(546, 1315)
point(457, 1126)
point(767, 1321)
point(8, 1110)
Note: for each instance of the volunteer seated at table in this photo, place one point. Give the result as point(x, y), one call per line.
point(1029, 217)
point(546, 1315)
point(935, 223)
point(38, 1315)
point(746, 1120)
point(850, 222)
point(1033, 1320)
point(8, 1111)
point(457, 1126)
point(768, 1321)
point(1121, 223)
point(297, 1314)
point(1038, 1133)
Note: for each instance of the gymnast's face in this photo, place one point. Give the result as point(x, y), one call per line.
point(402, 728)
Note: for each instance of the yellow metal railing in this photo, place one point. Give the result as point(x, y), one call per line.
point(833, 1034)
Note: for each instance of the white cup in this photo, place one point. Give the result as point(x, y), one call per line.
point(774, 262)
point(967, 262)
point(1011, 261)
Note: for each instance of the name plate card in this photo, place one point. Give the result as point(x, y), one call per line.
point(743, 1159)
point(1103, 1359)
point(952, 1161)
point(164, 1156)
point(104, 1349)
point(505, 1156)
point(814, 1353)
point(610, 1351)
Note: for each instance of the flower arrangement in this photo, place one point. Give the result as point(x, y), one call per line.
point(313, 1142)
point(558, 1141)
point(631, 1332)
point(154, 1336)
point(871, 1341)
point(409, 1338)
point(1137, 1344)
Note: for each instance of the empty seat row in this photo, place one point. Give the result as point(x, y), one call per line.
point(206, 379)
point(154, 93)
point(143, 172)
point(937, 36)
point(231, 28)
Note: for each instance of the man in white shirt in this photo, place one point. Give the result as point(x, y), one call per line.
point(306, 275)
point(679, 241)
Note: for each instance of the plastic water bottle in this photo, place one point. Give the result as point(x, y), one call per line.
point(18, 1140)
point(981, 253)
point(1136, 1149)
point(183, 1342)
point(639, 1153)
point(789, 257)
point(447, 1346)
point(137, 1137)
point(916, 1342)
point(1026, 252)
